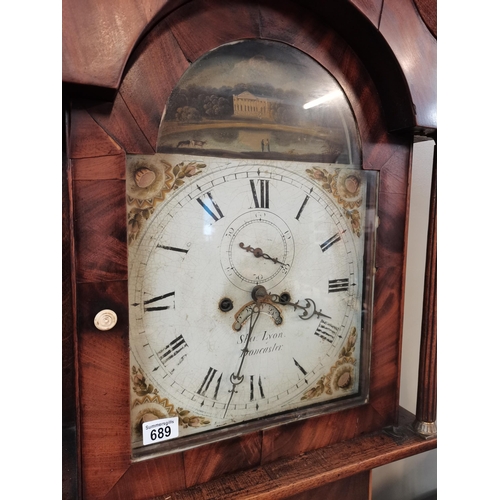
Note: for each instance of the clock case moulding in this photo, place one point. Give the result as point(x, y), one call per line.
point(100, 133)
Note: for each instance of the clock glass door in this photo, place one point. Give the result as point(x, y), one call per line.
point(251, 239)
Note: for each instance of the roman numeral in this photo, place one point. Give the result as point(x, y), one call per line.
point(209, 377)
point(173, 249)
point(326, 331)
point(209, 210)
point(261, 390)
point(329, 242)
point(340, 285)
point(299, 213)
point(156, 299)
point(172, 349)
point(263, 200)
point(297, 364)
point(252, 388)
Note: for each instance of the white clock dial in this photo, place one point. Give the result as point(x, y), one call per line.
point(213, 353)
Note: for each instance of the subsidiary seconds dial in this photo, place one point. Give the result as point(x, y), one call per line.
point(272, 233)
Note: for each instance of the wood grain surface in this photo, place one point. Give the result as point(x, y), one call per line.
point(100, 37)
point(311, 474)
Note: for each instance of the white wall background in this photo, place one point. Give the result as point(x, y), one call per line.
point(413, 478)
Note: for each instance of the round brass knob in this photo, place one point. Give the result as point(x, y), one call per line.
point(105, 319)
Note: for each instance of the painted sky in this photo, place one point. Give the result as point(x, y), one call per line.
point(256, 61)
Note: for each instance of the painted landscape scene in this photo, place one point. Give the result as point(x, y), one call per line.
point(260, 99)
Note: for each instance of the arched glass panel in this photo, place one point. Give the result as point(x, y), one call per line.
point(260, 99)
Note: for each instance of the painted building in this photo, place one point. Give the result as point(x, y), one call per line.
point(249, 106)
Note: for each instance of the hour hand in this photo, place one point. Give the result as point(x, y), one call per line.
point(259, 253)
point(309, 309)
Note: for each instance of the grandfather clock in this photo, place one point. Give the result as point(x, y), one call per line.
point(235, 205)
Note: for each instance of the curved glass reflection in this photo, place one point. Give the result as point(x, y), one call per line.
point(260, 99)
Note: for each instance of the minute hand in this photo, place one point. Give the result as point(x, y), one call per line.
point(236, 378)
point(308, 312)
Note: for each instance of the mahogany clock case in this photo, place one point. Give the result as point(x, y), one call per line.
point(100, 136)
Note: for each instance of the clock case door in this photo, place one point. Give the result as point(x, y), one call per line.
point(103, 132)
